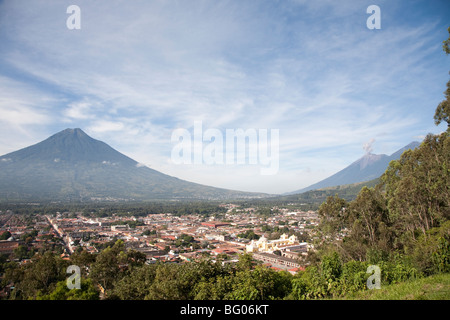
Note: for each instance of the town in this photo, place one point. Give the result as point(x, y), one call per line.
point(280, 240)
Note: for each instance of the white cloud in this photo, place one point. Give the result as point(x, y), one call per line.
point(19, 104)
point(140, 165)
point(105, 126)
point(79, 110)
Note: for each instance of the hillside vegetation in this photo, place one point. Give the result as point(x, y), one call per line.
point(347, 192)
point(436, 287)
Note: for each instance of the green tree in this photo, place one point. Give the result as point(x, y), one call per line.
point(106, 268)
point(331, 267)
point(135, 258)
point(312, 284)
point(217, 288)
point(260, 284)
point(5, 235)
point(249, 234)
point(369, 225)
point(353, 277)
point(442, 112)
point(417, 187)
point(333, 214)
point(245, 262)
point(172, 282)
point(446, 43)
point(21, 252)
point(82, 259)
point(370, 209)
point(87, 291)
point(137, 284)
point(441, 256)
point(429, 252)
point(443, 109)
point(39, 276)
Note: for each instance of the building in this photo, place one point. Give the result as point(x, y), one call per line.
point(8, 246)
point(264, 245)
point(215, 224)
point(276, 260)
point(151, 252)
point(295, 251)
point(120, 227)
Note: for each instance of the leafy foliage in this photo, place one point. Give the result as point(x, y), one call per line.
point(61, 292)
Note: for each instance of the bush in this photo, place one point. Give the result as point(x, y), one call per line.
point(397, 270)
point(431, 252)
point(441, 256)
point(300, 289)
point(354, 277)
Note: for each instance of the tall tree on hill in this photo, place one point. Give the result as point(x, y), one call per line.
point(418, 184)
point(443, 109)
point(332, 214)
point(369, 210)
point(418, 188)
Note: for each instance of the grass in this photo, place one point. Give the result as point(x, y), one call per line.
point(436, 287)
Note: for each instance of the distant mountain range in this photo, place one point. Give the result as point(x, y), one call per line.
point(72, 166)
point(368, 167)
point(314, 198)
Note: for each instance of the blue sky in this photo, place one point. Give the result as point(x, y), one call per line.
point(138, 70)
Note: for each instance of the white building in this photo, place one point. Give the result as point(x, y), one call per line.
point(264, 245)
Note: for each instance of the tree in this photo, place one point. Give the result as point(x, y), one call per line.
point(21, 252)
point(137, 284)
point(446, 43)
point(216, 288)
point(417, 187)
point(368, 216)
point(135, 258)
point(87, 291)
point(331, 267)
point(82, 259)
point(245, 262)
point(260, 284)
point(5, 235)
point(443, 109)
point(333, 215)
point(249, 234)
point(106, 268)
point(264, 212)
point(430, 254)
point(172, 282)
point(38, 277)
point(353, 277)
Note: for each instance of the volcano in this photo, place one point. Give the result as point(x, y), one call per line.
point(72, 166)
point(368, 167)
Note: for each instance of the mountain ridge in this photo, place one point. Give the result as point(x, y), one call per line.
point(72, 166)
point(368, 167)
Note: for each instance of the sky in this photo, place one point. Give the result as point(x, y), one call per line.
point(135, 73)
